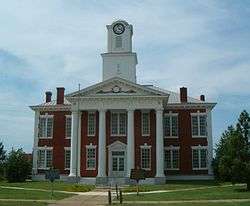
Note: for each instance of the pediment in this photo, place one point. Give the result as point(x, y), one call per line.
point(116, 87)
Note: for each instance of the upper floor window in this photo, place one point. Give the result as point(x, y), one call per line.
point(172, 158)
point(146, 157)
point(45, 126)
point(118, 41)
point(145, 123)
point(68, 126)
point(91, 157)
point(118, 123)
point(91, 123)
point(199, 125)
point(199, 157)
point(66, 158)
point(44, 158)
point(170, 123)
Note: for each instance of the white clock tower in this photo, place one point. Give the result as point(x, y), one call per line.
point(119, 61)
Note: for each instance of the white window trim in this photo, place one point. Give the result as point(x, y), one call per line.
point(147, 112)
point(66, 149)
point(145, 146)
point(45, 157)
point(68, 116)
point(199, 147)
point(46, 116)
point(118, 125)
point(92, 112)
point(171, 148)
point(90, 146)
point(198, 114)
point(170, 114)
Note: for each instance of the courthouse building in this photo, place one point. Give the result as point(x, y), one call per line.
point(98, 134)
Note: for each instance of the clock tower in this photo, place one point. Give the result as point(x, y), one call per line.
point(119, 61)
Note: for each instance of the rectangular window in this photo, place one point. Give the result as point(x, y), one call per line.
point(199, 125)
point(145, 158)
point(118, 123)
point(91, 159)
point(172, 159)
point(44, 158)
point(170, 122)
point(68, 127)
point(199, 157)
point(45, 126)
point(145, 124)
point(91, 124)
point(67, 159)
point(118, 41)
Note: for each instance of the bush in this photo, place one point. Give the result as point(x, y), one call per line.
point(18, 168)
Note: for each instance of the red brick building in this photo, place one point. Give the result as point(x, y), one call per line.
point(101, 132)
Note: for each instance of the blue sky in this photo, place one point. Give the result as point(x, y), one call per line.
point(203, 45)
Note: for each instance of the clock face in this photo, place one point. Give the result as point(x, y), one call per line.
point(118, 28)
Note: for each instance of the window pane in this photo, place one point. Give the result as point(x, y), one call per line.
point(195, 158)
point(49, 127)
point(67, 159)
point(195, 125)
point(48, 158)
point(203, 125)
point(121, 164)
point(167, 159)
point(91, 160)
point(91, 124)
point(41, 158)
point(175, 158)
point(114, 123)
point(42, 127)
point(114, 166)
point(145, 158)
point(68, 127)
point(174, 126)
point(167, 126)
point(145, 123)
point(118, 41)
point(203, 153)
point(122, 124)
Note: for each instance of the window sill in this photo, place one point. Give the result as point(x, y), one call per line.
point(45, 137)
point(172, 169)
point(203, 137)
point(118, 135)
point(90, 169)
point(67, 137)
point(145, 135)
point(171, 137)
point(91, 135)
point(200, 168)
point(43, 168)
point(147, 169)
point(66, 168)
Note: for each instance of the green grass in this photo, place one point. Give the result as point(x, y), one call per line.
point(33, 195)
point(22, 203)
point(58, 185)
point(230, 192)
point(173, 185)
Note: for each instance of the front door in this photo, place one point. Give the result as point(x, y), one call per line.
point(118, 163)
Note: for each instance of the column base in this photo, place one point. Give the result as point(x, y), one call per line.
point(102, 180)
point(160, 180)
point(73, 179)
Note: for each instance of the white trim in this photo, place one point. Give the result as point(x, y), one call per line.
point(145, 112)
point(94, 113)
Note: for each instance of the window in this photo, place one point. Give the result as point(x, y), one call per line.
point(91, 123)
point(68, 126)
point(118, 41)
point(90, 157)
point(44, 158)
point(45, 126)
point(171, 160)
point(66, 158)
point(199, 125)
point(170, 122)
point(145, 123)
point(146, 157)
point(118, 123)
point(199, 157)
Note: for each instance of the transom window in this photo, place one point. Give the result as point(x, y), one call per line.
point(68, 126)
point(170, 123)
point(67, 158)
point(91, 123)
point(45, 126)
point(146, 157)
point(91, 157)
point(172, 158)
point(118, 123)
point(145, 123)
point(44, 158)
point(199, 157)
point(199, 125)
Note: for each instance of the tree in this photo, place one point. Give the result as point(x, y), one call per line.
point(18, 166)
point(2, 159)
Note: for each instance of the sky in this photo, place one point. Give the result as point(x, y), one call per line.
point(203, 45)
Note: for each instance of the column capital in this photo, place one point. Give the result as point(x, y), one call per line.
point(130, 109)
point(102, 110)
point(159, 109)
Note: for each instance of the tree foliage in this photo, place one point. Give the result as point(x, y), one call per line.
point(2, 159)
point(18, 166)
point(232, 161)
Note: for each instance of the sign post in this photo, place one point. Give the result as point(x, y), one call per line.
point(52, 175)
point(137, 175)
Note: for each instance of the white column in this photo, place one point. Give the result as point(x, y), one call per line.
point(74, 136)
point(79, 145)
point(102, 144)
point(130, 142)
point(209, 142)
point(35, 145)
point(159, 144)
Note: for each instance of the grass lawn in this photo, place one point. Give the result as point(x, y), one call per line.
point(173, 185)
point(58, 185)
point(230, 192)
point(23, 204)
